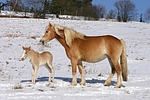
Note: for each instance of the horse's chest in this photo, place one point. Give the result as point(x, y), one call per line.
point(72, 53)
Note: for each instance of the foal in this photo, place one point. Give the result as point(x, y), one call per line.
point(37, 60)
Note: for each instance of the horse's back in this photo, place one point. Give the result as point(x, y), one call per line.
point(111, 39)
point(46, 56)
point(102, 42)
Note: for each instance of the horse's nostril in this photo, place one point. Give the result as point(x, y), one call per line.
point(41, 40)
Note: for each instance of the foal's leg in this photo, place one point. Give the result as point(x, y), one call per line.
point(108, 81)
point(74, 70)
point(51, 72)
point(33, 70)
point(80, 68)
point(34, 73)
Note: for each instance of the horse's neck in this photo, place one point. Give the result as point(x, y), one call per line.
point(62, 41)
point(32, 54)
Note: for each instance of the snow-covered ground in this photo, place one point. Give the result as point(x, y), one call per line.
point(15, 75)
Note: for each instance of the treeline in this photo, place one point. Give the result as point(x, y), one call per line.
point(58, 7)
point(125, 10)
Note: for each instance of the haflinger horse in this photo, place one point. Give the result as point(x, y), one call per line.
point(80, 47)
point(39, 59)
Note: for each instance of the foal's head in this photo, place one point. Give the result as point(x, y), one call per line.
point(25, 52)
point(49, 34)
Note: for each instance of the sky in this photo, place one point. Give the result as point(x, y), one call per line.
point(141, 5)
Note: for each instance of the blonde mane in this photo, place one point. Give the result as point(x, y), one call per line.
point(69, 34)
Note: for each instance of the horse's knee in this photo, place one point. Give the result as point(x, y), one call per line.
point(74, 70)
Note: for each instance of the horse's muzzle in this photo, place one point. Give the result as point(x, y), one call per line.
point(42, 41)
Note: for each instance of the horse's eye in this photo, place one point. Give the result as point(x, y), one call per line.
point(46, 31)
point(25, 52)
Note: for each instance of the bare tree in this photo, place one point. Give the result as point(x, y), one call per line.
point(147, 14)
point(100, 10)
point(126, 10)
point(36, 6)
point(39, 7)
point(15, 5)
point(111, 14)
point(1, 6)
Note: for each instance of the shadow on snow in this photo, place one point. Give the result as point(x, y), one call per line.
point(66, 79)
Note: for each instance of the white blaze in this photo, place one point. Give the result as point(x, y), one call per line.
point(23, 54)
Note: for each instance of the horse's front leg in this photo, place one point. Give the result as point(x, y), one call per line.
point(33, 75)
point(74, 70)
point(80, 68)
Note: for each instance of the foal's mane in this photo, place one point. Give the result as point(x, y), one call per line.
point(69, 33)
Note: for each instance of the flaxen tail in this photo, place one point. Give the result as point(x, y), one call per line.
point(123, 61)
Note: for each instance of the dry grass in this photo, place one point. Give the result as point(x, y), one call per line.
point(12, 35)
point(18, 86)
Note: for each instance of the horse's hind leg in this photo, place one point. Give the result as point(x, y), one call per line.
point(108, 81)
point(80, 68)
point(51, 72)
point(118, 71)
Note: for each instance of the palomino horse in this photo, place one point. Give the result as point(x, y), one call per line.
point(80, 47)
point(37, 60)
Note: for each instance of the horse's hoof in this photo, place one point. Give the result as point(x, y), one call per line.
point(106, 84)
point(52, 81)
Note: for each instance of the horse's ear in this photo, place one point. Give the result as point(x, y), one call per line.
point(59, 30)
point(50, 24)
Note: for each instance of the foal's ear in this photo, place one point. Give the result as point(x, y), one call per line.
point(23, 47)
point(29, 47)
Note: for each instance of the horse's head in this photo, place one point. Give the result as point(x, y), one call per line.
point(49, 34)
point(25, 52)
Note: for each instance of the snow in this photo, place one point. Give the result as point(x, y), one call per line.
point(15, 75)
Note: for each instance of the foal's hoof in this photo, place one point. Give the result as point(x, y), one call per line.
point(33, 83)
point(73, 84)
point(118, 86)
point(83, 83)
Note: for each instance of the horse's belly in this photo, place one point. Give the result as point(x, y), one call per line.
point(94, 59)
point(42, 63)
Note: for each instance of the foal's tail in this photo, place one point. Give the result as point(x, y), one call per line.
point(123, 61)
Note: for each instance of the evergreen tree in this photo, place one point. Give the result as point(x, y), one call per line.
point(72, 7)
point(141, 19)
